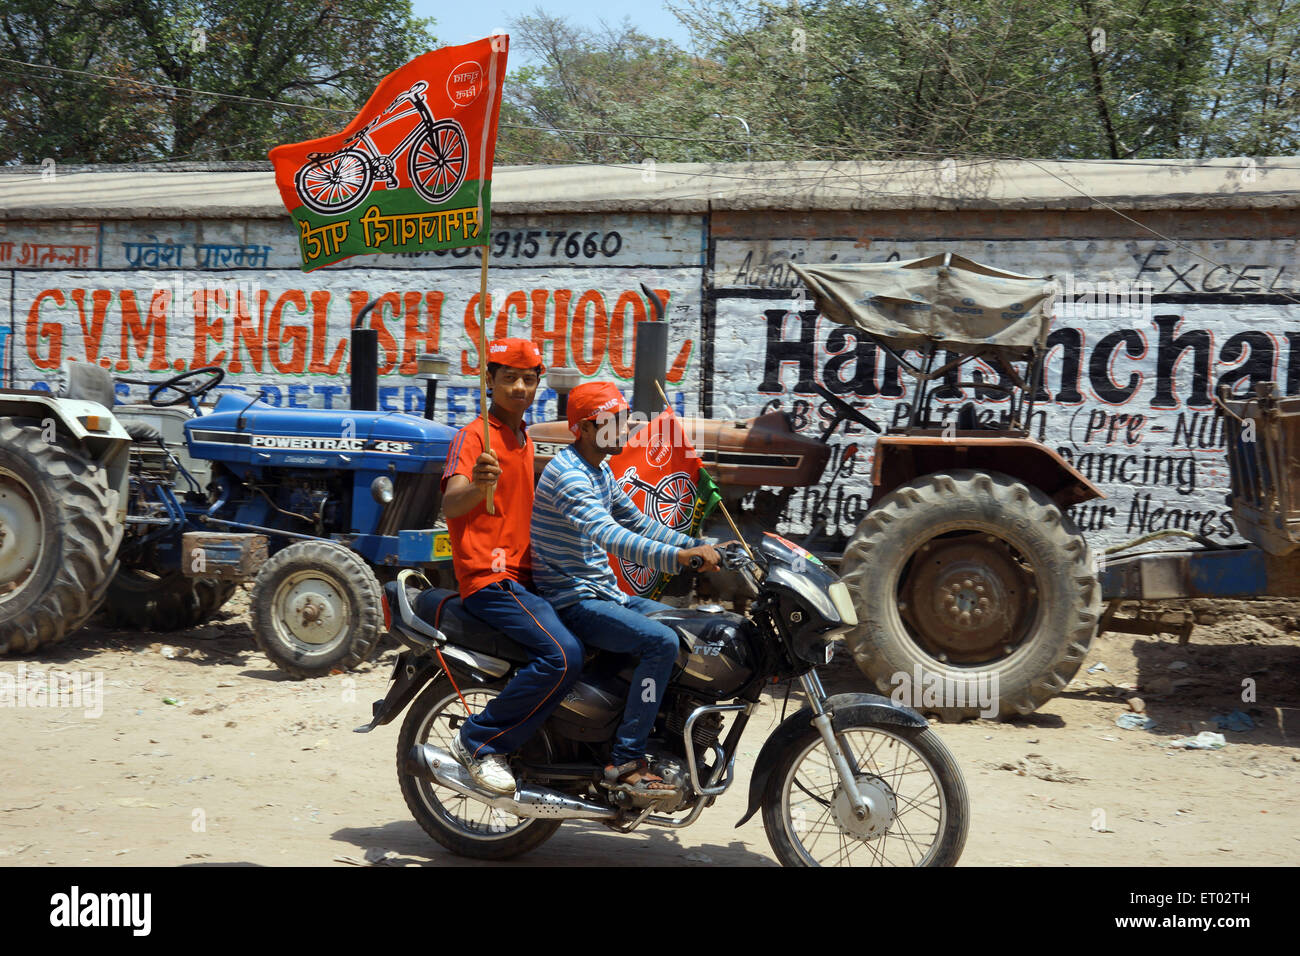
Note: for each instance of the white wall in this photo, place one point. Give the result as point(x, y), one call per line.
point(1135, 418)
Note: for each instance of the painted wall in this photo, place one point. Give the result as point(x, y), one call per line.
point(152, 299)
point(1127, 397)
point(1152, 332)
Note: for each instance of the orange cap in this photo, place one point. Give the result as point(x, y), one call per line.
point(591, 399)
point(516, 353)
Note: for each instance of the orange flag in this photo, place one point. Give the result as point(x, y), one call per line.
point(660, 471)
point(412, 172)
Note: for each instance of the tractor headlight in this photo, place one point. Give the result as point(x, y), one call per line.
point(381, 489)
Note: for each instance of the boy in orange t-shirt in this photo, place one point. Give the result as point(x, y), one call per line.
point(491, 556)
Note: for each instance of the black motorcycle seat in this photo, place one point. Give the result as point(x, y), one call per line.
point(441, 608)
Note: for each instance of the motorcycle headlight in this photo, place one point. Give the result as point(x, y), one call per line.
point(843, 601)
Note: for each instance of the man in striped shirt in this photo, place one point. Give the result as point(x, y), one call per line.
point(580, 517)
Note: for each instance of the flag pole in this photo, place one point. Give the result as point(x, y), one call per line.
point(721, 504)
point(482, 284)
point(482, 362)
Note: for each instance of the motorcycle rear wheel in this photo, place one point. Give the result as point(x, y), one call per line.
point(911, 777)
point(463, 826)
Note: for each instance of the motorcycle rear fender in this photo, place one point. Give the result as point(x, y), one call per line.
point(846, 710)
point(410, 674)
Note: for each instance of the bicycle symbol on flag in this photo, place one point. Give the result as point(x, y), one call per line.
point(437, 158)
point(671, 502)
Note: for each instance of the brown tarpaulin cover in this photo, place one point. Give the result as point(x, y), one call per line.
point(944, 299)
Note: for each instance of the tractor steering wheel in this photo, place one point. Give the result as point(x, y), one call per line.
point(187, 393)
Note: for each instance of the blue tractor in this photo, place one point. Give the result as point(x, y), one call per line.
point(317, 507)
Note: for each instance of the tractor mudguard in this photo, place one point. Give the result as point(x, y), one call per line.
point(901, 458)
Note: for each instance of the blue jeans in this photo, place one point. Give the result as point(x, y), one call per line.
point(537, 688)
point(625, 629)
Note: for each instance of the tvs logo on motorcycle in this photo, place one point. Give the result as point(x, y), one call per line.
point(465, 83)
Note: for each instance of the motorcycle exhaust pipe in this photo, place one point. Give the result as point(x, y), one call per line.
point(437, 766)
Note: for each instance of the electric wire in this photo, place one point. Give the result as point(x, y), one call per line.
point(969, 160)
point(613, 133)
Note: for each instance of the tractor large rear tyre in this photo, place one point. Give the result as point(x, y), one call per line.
point(59, 536)
point(962, 577)
point(162, 602)
point(316, 607)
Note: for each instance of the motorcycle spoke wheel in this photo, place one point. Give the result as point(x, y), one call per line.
point(469, 817)
point(910, 815)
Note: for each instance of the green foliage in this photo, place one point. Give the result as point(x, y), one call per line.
point(604, 79)
point(825, 79)
point(325, 53)
point(835, 79)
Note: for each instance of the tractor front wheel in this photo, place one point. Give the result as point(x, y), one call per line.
point(316, 607)
point(167, 601)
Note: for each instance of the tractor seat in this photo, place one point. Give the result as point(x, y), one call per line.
point(441, 608)
point(142, 433)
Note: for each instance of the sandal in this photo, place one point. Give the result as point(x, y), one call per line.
point(648, 785)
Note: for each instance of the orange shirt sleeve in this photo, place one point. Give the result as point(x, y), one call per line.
point(464, 451)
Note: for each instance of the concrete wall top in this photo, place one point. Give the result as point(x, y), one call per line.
point(247, 190)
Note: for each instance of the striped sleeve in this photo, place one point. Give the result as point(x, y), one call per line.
point(573, 498)
point(464, 451)
point(627, 514)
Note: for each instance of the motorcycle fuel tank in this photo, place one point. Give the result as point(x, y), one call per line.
point(718, 653)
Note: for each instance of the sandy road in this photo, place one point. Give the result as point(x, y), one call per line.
point(248, 766)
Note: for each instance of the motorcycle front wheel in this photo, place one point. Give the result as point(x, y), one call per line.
point(915, 791)
point(462, 825)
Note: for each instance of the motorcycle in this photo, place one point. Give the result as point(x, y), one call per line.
point(850, 779)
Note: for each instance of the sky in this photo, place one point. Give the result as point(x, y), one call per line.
point(460, 21)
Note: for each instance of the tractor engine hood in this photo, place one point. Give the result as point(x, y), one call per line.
point(254, 433)
point(755, 451)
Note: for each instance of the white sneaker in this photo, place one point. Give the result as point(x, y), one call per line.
point(492, 772)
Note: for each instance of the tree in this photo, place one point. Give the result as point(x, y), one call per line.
point(1057, 78)
point(324, 56)
point(593, 82)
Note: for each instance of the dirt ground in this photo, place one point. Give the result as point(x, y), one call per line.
point(206, 754)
